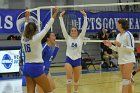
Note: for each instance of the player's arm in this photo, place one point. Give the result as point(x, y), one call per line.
point(84, 27)
point(55, 51)
point(115, 48)
point(48, 25)
point(43, 56)
point(64, 31)
point(27, 15)
point(110, 45)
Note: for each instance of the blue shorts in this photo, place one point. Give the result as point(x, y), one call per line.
point(33, 69)
point(73, 63)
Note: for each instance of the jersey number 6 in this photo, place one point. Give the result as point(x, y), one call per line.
point(27, 48)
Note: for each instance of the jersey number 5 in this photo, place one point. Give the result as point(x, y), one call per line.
point(27, 48)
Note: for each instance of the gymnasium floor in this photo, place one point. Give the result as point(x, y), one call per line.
point(91, 82)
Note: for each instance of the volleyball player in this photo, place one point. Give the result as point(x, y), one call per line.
point(124, 45)
point(74, 43)
point(33, 68)
point(48, 55)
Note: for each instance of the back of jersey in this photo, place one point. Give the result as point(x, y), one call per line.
point(33, 50)
point(33, 47)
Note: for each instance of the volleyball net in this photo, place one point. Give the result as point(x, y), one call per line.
point(100, 16)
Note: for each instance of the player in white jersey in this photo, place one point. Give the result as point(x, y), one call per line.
point(74, 43)
point(124, 45)
point(33, 68)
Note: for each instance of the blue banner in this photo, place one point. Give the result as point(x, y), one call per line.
point(105, 19)
point(12, 21)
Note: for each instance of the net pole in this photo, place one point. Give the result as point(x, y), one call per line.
point(38, 17)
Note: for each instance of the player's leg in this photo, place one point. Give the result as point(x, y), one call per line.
point(37, 73)
point(77, 72)
point(30, 83)
point(69, 71)
point(52, 83)
point(126, 75)
point(43, 82)
point(39, 89)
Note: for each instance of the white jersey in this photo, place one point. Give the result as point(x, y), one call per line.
point(74, 46)
point(33, 48)
point(126, 50)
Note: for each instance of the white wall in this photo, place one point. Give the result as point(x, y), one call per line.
point(96, 9)
point(21, 4)
point(4, 4)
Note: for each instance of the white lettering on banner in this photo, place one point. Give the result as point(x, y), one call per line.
point(137, 24)
point(131, 21)
point(92, 21)
point(105, 23)
point(6, 61)
point(110, 23)
point(8, 22)
point(98, 23)
point(88, 26)
point(0, 23)
point(79, 23)
point(116, 20)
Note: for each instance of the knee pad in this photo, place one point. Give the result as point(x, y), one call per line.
point(126, 82)
point(76, 83)
point(69, 81)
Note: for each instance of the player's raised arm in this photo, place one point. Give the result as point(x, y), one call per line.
point(64, 31)
point(48, 25)
point(84, 27)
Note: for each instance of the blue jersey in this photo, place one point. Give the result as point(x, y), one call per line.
point(48, 54)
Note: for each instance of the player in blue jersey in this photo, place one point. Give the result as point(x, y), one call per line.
point(33, 68)
point(74, 43)
point(49, 52)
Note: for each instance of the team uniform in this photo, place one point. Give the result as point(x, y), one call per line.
point(74, 46)
point(126, 50)
point(33, 52)
point(48, 54)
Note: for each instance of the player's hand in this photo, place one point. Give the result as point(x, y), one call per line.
point(27, 15)
point(107, 43)
point(27, 12)
point(56, 45)
point(83, 12)
point(62, 13)
point(118, 44)
point(55, 10)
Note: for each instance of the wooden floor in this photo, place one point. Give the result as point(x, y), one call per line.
point(105, 82)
